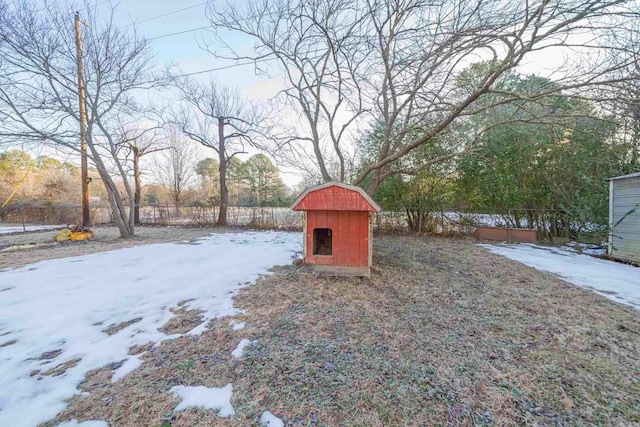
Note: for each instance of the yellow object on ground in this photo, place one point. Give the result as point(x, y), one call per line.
point(81, 235)
point(63, 235)
point(75, 235)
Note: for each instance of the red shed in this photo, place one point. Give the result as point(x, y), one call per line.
point(337, 228)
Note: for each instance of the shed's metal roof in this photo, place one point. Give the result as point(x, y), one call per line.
point(631, 175)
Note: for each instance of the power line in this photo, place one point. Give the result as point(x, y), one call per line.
point(102, 2)
point(239, 64)
point(193, 29)
point(179, 32)
point(224, 67)
point(171, 13)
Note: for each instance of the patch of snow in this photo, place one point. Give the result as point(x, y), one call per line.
point(239, 351)
point(597, 250)
point(66, 304)
point(75, 423)
point(205, 397)
point(8, 229)
point(616, 281)
point(198, 329)
point(130, 365)
point(269, 420)
point(236, 326)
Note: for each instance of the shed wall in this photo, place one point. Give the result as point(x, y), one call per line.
point(350, 237)
point(625, 234)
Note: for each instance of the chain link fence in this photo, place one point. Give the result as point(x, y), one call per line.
point(51, 215)
point(255, 217)
point(237, 216)
point(449, 221)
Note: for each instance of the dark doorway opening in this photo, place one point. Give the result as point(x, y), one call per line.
point(322, 242)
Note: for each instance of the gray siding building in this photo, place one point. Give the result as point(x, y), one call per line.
point(624, 217)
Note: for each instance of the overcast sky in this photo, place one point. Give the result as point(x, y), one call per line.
point(186, 51)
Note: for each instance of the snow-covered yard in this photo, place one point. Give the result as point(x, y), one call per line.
point(53, 314)
point(618, 282)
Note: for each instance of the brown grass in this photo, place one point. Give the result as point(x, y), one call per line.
point(444, 333)
point(184, 321)
point(117, 327)
point(137, 349)
point(61, 368)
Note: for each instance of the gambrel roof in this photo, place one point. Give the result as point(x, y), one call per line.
point(335, 196)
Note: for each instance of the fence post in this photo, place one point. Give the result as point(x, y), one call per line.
point(24, 228)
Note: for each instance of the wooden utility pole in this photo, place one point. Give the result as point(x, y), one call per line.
point(84, 166)
point(224, 191)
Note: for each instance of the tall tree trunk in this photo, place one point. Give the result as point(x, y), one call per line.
point(224, 191)
point(319, 156)
point(375, 181)
point(120, 214)
point(137, 187)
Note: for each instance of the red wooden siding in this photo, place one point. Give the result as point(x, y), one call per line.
point(334, 198)
point(349, 235)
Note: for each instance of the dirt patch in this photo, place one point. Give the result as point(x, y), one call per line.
point(38, 246)
point(8, 343)
point(443, 333)
point(184, 321)
point(115, 328)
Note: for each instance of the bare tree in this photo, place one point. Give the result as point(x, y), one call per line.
point(39, 93)
point(623, 95)
point(316, 46)
point(403, 63)
point(218, 118)
point(135, 144)
point(429, 80)
point(175, 166)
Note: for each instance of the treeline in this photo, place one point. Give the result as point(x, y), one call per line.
point(47, 181)
point(254, 182)
point(40, 180)
point(541, 163)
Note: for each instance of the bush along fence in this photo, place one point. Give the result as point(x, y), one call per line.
point(446, 221)
point(549, 225)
